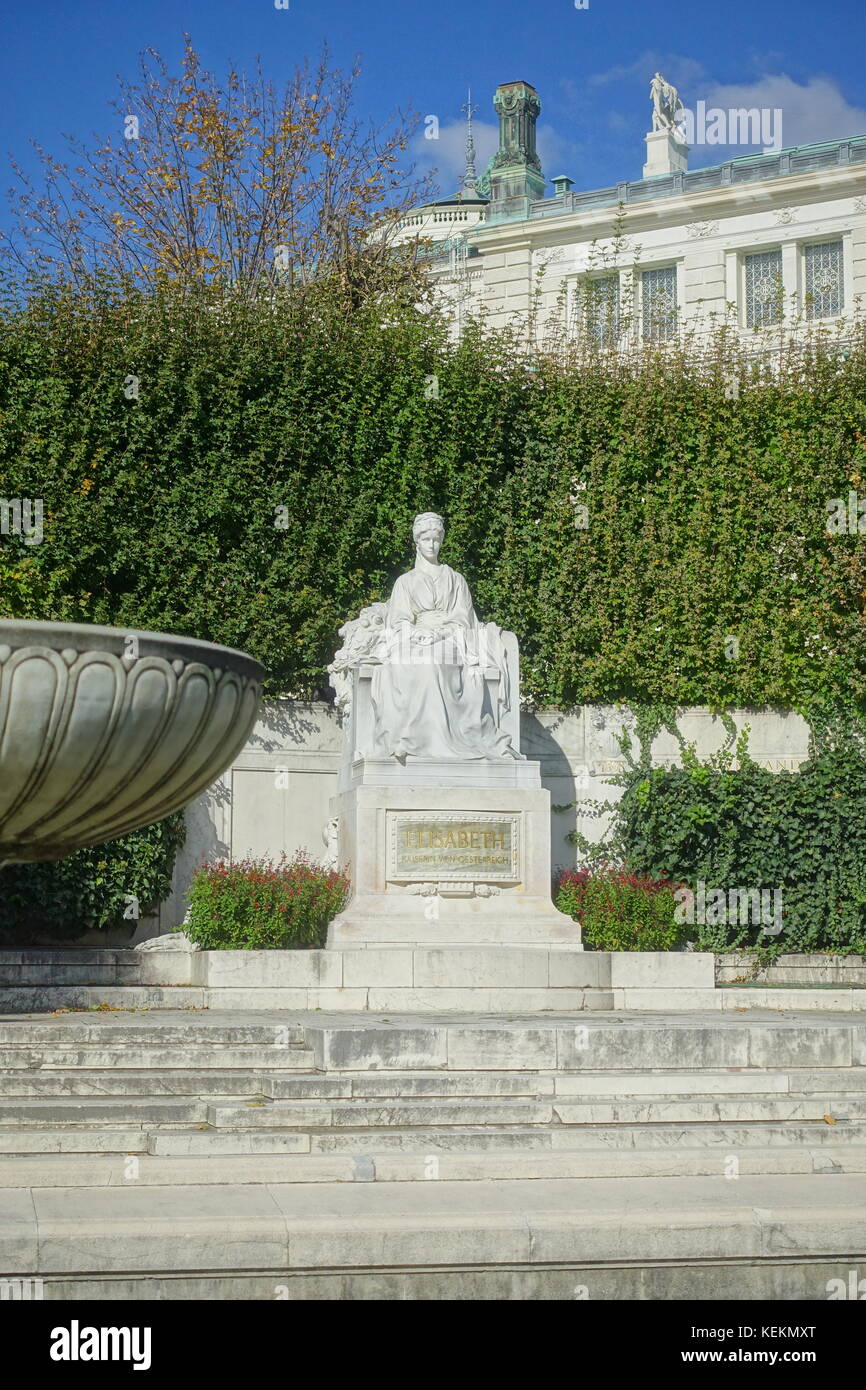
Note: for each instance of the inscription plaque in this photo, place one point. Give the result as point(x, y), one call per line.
point(458, 846)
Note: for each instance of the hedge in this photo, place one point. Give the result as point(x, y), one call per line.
point(248, 472)
point(264, 904)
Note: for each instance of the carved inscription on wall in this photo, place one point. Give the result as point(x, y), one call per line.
point(456, 845)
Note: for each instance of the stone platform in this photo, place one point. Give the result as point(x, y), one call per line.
point(271, 1155)
point(484, 978)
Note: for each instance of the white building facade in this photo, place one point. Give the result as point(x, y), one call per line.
point(760, 242)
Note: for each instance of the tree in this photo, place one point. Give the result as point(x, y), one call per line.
point(224, 182)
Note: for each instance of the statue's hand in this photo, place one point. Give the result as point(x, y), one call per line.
point(430, 618)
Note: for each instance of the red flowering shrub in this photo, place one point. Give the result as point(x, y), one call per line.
point(257, 904)
point(619, 911)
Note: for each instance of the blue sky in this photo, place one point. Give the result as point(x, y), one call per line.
point(592, 67)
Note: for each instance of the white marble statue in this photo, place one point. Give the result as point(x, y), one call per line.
point(666, 103)
point(361, 637)
point(441, 683)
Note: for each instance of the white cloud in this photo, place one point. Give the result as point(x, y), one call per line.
point(811, 112)
point(448, 154)
point(557, 155)
point(674, 67)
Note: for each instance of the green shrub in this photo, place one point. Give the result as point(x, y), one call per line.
point(802, 833)
point(259, 904)
point(737, 828)
point(96, 888)
point(619, 911)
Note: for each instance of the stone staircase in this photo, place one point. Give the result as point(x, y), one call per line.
point(186, 1155)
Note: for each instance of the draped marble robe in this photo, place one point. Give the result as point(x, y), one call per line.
point(428, 692)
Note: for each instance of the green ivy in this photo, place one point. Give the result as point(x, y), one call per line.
point(247, 472)
point(706, 516)
point(730, 824)
point(94, 888)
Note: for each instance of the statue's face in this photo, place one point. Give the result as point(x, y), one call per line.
point(429, 543)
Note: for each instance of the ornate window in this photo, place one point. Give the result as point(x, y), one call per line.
point(824, 280)
point(659, 303)
point(764, 288)
point(602, 309)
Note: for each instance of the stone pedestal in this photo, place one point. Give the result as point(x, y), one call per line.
point(447, 855)
point(665, 154)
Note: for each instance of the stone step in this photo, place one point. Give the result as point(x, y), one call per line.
point(402, 1111)
point(205, 1142)
point(104, 1082)
point(120, 1111)
point(247, 1081)
point(129, 1031)
point(357, 1114)
point(609, 1138)
point(257, 1081)
point(813, 1223)
point(179, 1140)
point(592, 1043)
point(707, 1109)
point(62, 975)
point(330, 1100)
point(57, 1060)
point(113, 1170)
point(250, 1071)
point(75, 1140)
point(825, 1082)
point(35, 999)
point(70, 955)
point(407, 1085)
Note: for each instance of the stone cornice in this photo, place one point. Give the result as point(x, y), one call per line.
point(673, 210)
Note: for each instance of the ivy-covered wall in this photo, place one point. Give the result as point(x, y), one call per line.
point(727, 830)
point(249, 473)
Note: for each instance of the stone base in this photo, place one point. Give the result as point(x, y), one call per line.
point(665, 154)
point(452, 772)
point(427, 979)
point(534, 922)
point(449, 865)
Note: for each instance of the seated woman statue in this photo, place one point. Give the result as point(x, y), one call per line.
point(429, 695)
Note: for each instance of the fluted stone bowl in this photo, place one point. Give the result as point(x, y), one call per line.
point(105, 730)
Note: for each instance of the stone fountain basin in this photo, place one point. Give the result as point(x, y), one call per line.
point(104, 730)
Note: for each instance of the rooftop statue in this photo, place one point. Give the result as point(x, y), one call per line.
point(666, 103)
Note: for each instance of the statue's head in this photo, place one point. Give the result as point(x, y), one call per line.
point(428, 531)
